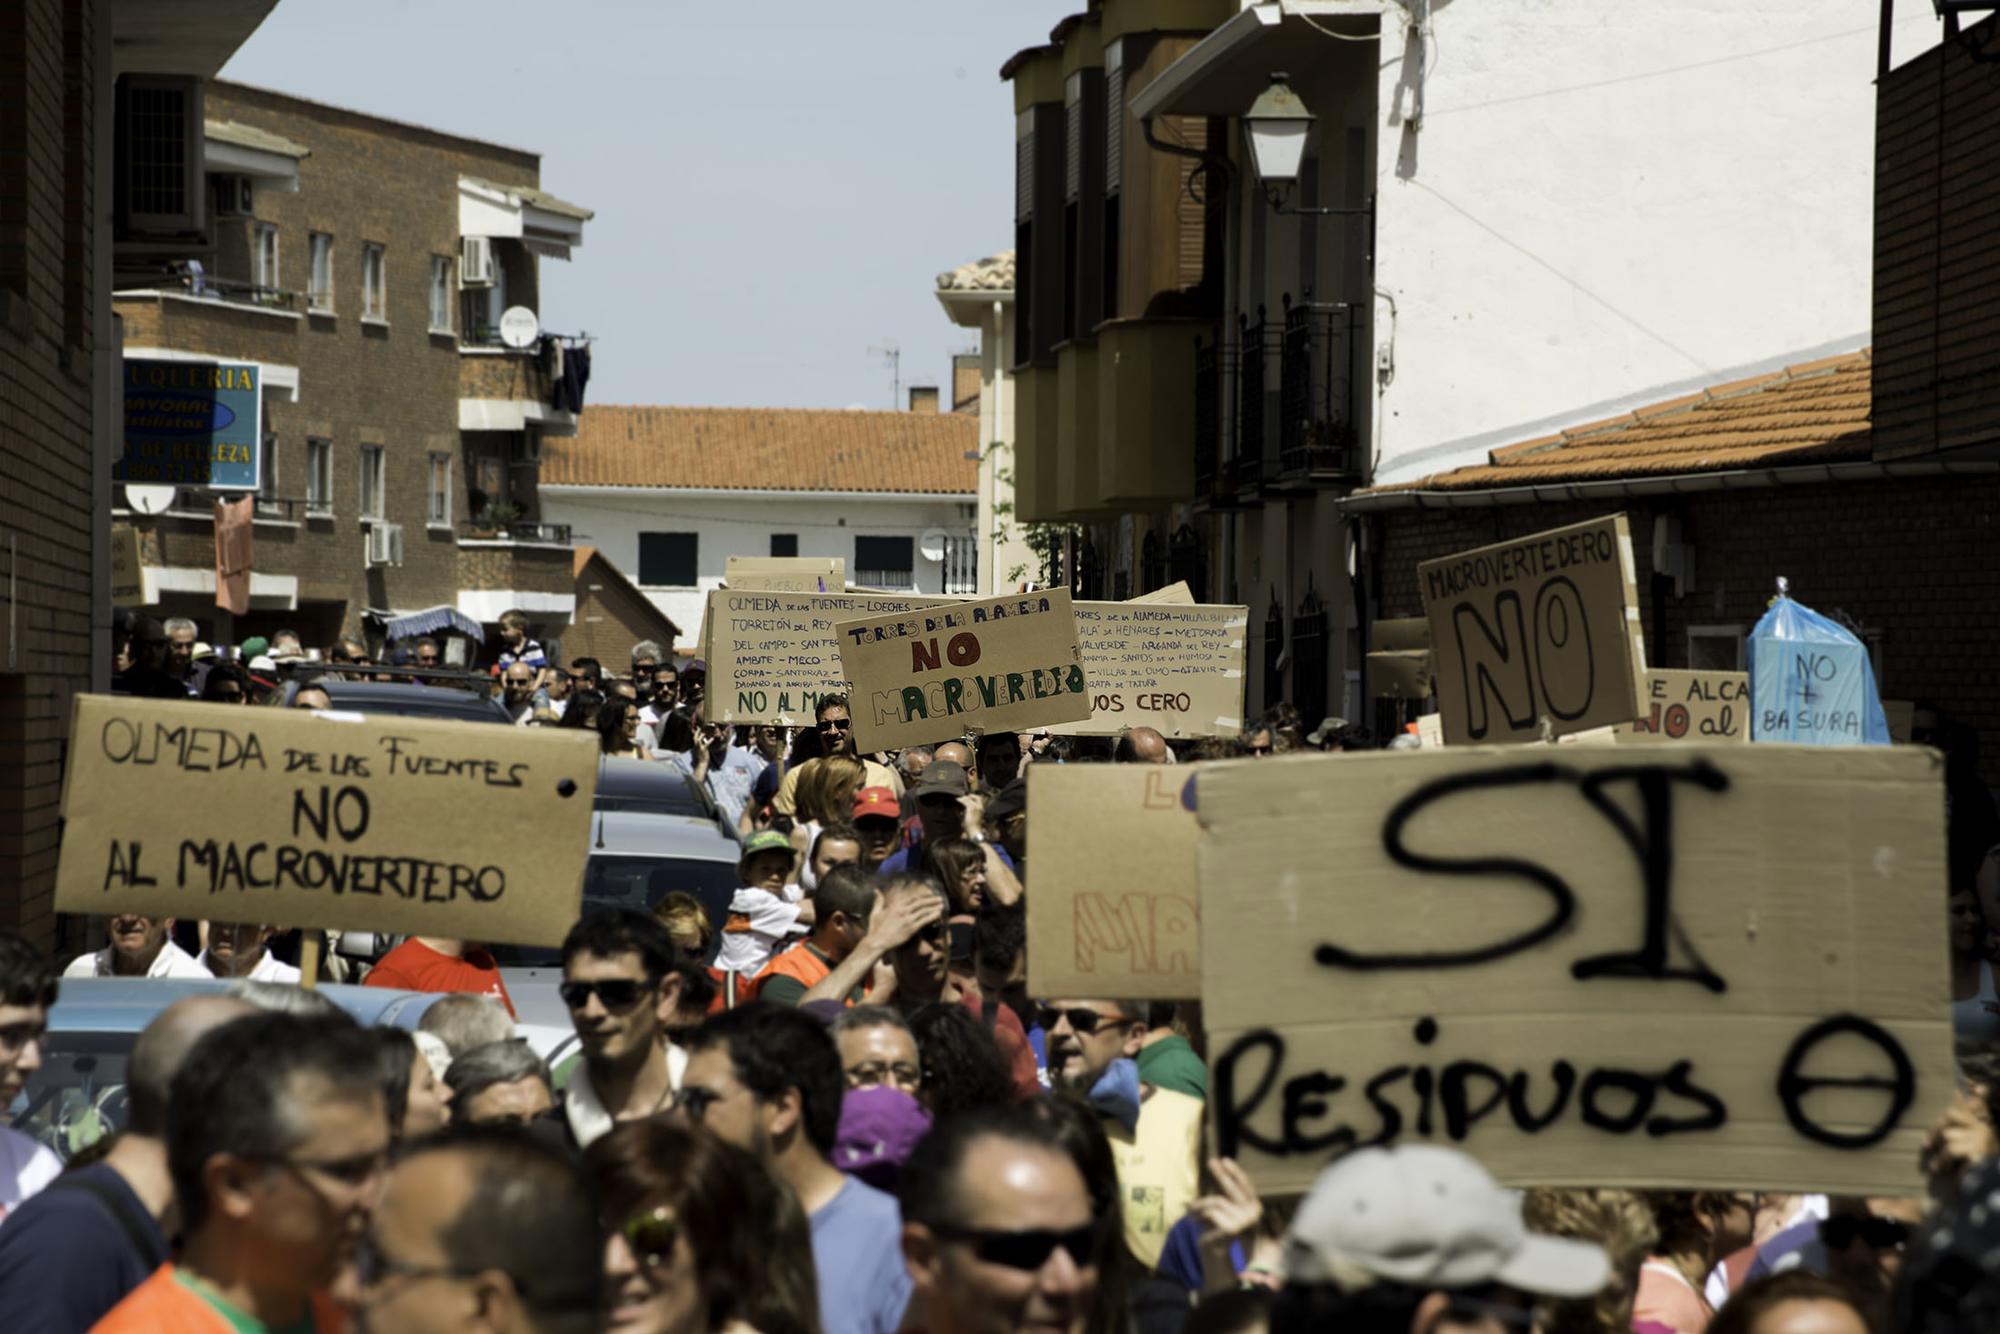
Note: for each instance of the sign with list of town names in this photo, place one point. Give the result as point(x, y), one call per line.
point(1542, 628)
point(1692, 966)
point(1004, 664)
point(402, 826)
point(771, 655)
point(1175, 667)
point(192, 423)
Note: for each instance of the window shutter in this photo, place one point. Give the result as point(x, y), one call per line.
point(1073, 136)
point(1114, 116)
point(1024, 166)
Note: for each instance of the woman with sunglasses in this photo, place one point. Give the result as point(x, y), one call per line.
point(701, 1238)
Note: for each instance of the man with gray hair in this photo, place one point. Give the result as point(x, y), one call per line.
point(181, 634)
point(645, 657)
point(466, 1021)
point(501, 1083)
point(73, 1251)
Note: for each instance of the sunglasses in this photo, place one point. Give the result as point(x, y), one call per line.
point(618, 993)
point(1028, 1250)
point(1258, 750)
point(427, 659)
point(1084, 1021)
point(836, 724)
point(1881, 1234)
point(652, 1236)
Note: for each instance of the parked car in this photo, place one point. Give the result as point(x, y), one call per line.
point(636, 860)
point(650, 787)
point(404, 700)
point(78, 1095)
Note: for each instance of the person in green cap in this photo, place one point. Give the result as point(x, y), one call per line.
point(768, 907)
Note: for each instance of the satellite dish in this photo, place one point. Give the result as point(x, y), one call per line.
point(931, 544)
point(519, 327)
point(148, 499)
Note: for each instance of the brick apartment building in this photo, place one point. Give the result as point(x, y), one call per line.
point(364, 265)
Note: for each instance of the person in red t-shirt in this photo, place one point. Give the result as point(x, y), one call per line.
point(432, 963)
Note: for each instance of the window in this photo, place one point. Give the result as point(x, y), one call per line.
point(438, 513)
point(440, 294)
point(268, 505)
point(667, 559)
point(884, 562)
point(374, 296)
point(319, 296)
point(319, 477)
point(264, 257)
point(784, 544)
point(374, 481)
point(1715, 648)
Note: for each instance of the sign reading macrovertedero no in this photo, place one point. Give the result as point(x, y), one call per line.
point(192, 423)
point(1545, 626)
point(1690, 706)
point(1002, 664)
point(1714, 966)
point(396, 825)
point(1114, 909)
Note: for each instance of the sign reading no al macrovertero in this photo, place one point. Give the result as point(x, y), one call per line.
point(394, 825)
point(1546, 626)
point(1690, 706)
point(192, 423)
point(771, 655)
point(1002, 664)
point(1701, 966)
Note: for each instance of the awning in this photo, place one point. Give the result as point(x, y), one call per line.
point(270, 159)
point(432, 621)
point(546, 225)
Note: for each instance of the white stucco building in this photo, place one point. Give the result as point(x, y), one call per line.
point(980, 295)
point(669, 494)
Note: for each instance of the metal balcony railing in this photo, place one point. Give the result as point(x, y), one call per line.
point(516, 530)
point(1256, 437)
point(1317, 432)
point(232, 292)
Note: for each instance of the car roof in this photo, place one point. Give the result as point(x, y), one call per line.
point(408, 700)
point(647, 782)
point(128, 1004)
point(647, 834)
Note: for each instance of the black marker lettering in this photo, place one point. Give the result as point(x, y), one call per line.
point(1794, 1086)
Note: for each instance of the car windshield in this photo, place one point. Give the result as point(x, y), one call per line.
point(78, 1096)
point(637, 882)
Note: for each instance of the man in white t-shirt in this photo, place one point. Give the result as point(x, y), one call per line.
point(27, 991)
point(240, 949)
point(139, 947)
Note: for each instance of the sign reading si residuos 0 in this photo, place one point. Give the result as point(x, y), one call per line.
point(1545, 626)
point(1710, 966)
point(396, 825)
point(192, 423)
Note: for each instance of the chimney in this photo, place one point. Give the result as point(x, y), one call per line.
point(965, 382)
point(924, 398)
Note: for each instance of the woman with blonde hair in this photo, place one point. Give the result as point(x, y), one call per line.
point(825, 797)
point(1617, 1220)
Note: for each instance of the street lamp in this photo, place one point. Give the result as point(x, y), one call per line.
point(1277, 122)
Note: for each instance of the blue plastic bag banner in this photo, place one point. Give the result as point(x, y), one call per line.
point(1811, 681)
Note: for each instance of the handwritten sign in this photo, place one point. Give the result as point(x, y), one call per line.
point(128, 585)
point(1174, 667)
point(772, 657)
point(1177, 593)
point(787, 574)
point(1721, 967)
point(1002, 664)
point(1113, 915)
point(397, 825)
point(1545, 626)
point(1690, 706)
point(1811, 681)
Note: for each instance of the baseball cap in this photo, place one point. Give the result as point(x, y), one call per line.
point(942, 778)
point(879, 1126)
point(765, 840)
point(1009, 799)
point(1423, 1215)
point(256, 646)
point(1320, 735)
point(877, 801)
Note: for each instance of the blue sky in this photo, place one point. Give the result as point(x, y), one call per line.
point(777, 184)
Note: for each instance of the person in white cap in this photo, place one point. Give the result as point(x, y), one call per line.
point(1421, 1240)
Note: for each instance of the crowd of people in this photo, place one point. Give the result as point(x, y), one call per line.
point(840, 1109)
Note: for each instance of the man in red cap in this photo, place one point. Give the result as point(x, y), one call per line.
point(878, 816)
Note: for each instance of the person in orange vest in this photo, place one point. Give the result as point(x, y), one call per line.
point(843, 904)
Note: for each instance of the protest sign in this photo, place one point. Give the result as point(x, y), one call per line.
point(1717, 966)
point(1690, 706)
point(1544, 626)
point(128, 584)
point(1430, 732)
point(1113, 912)
point(1811, 681)
point(395, 825)
point(1401, 675)
point(787, 574)
point(771, 656)
point(1177, 593)
point(1403, 634)
point(1003, 664)
point(1177, 668)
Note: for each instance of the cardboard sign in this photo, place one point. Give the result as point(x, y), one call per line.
point(1713, 966)
point(397, 825)
point(128, 585)
point(1105, 924)
point(1691, 706)
point(771, 656)
point(1176, 593)
point(1430, 732)
point(787, 574)
point(1176, 668)
point(1004, 664)
point(1401, 675)
point(1545, 626)
point(1408, 634)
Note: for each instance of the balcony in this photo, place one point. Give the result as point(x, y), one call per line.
point(501, 389)
point(512, 532)
point(1255, 460)
point(1318, 436)
point(192, 283)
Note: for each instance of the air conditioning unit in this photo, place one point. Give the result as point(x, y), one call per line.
point(385, 544)
point(232, 196)
point(475, 261)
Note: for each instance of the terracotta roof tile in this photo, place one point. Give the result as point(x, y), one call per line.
point(784, 449)
point(995, 273)
point(1815, 412)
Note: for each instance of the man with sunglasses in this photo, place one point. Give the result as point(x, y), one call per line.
point(622, 981)
point(482, 1228)
point(767, 1078)
point(998, 1229)
point(836, 737)
point(277, 1141)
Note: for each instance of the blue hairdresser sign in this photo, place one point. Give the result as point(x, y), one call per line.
point(192, 423)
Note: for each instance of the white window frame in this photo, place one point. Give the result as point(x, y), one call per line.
point(1732, 633)
point(440, 295)
point(267, 505)
point(319, 289)
point(319, 477)
point(374, 283)
point(374, 478)
point(264, 237)
point(437, 501)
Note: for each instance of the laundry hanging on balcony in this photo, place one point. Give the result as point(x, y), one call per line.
point(566, 363)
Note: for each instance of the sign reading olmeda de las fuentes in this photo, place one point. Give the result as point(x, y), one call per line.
point(192, 423)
